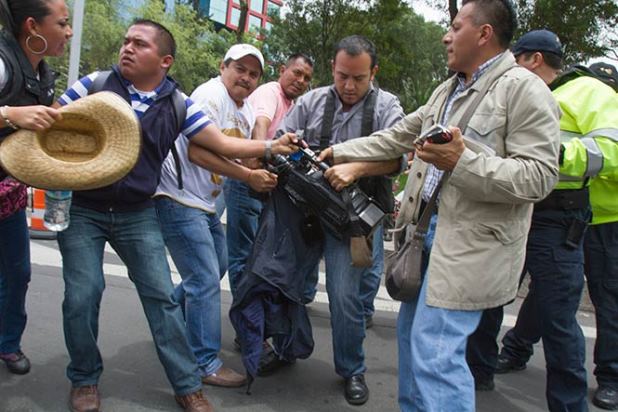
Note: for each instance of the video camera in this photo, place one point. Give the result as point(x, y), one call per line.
point(349, 212)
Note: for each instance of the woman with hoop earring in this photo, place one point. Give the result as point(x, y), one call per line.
point(32, 30)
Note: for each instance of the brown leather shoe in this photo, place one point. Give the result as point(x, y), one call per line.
point(85, 399)
point(225, 377)
point(194, 402)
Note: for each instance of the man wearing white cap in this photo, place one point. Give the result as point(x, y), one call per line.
point(241, 70)
point(187, 213)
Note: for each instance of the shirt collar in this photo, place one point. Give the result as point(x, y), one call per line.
point(282, 93)
point(461, 77)
point(156, 91)
point(357, 104)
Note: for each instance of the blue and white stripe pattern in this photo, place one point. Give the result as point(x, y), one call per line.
point(195, 121)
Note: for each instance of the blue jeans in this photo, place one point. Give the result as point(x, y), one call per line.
point(433, 373)
point(136, 238)
point(14, 279)
point(343, 283)
point(601, 250)
point(220, 205)
point(196, 242)
point(243, 212)
point(311, 284)
point(370, 282)
point(548, 312)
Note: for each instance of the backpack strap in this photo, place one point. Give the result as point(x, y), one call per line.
point(180, 109)
point(98, 83)
point(180, 112)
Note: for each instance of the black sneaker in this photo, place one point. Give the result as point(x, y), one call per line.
point(506, 365)
point(606, 398)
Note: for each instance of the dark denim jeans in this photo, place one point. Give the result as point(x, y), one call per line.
point(14, 279)
point(196, 242)
point(601, 251)
point(548, 312)
point(137, 239)
point(243, 212)
point(343, 286)
point(370, 282)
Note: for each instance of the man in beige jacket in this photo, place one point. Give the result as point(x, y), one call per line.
point(505, 159)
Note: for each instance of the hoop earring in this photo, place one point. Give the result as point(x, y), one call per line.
point(38, 36)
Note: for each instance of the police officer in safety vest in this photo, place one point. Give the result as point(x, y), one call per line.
point(558, 239)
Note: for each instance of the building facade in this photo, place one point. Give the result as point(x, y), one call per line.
point(227, 12)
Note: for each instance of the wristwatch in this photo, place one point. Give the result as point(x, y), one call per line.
point(268, 154)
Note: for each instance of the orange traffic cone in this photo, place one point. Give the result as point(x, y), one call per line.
point(37, 210)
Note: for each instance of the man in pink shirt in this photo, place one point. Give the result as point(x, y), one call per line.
point(271, 101)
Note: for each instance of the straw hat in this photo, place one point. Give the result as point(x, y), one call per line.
point(96, 143)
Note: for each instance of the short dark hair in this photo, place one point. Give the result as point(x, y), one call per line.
point(13, 13)
point(165, 39)
point(296, 56)
point(500, 14)
point(355, 45)
point(552, 60)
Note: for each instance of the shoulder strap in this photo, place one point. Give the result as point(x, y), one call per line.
point(180, 109)
point(329, 114)
point(368, 111)
point(463, 122)
point(423, 223)
point(180, 112)
point(327, 120)
point(98, 83)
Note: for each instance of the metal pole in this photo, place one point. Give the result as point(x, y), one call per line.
point(76, 41)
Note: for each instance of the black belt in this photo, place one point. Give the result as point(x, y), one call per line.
point(564, 200)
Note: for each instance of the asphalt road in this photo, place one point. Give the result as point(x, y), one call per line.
point(134, 380)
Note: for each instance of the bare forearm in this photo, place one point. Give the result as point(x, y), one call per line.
point(260, 130)
point(211, 138)
point(217, 164)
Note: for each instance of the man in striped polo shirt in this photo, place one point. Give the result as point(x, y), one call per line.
point(123, 215)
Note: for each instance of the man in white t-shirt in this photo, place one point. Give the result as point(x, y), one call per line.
point(186, 207)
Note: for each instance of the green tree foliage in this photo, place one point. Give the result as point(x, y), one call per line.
point(585, 27)
point(102, 35)
point(312, 27)
point(200, 48)
point(410, 56)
